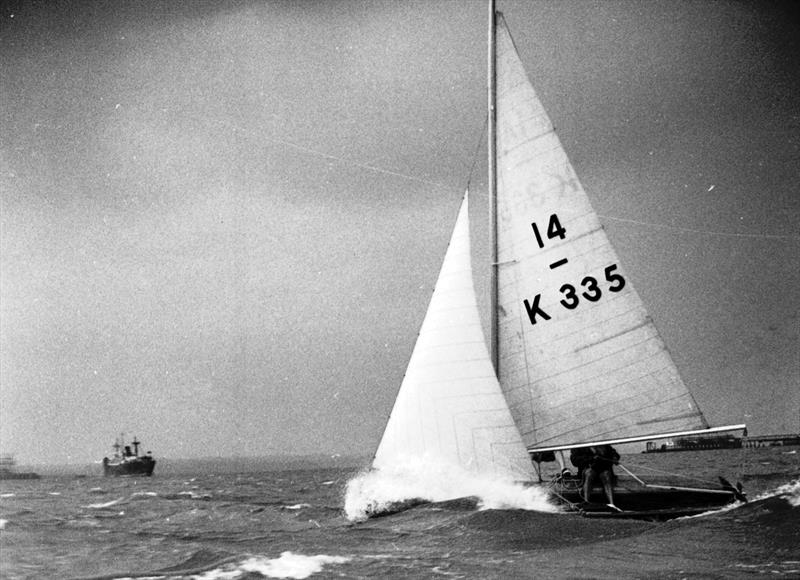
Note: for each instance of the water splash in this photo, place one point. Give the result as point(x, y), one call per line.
point(382, 490)
point(791, 492)
point(288, 565)
point(788, 491)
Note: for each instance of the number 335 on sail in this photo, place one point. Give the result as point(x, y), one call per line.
point(589, 288)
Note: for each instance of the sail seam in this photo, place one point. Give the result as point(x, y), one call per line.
point(562, 433)
point(615, 369)
point(614, 336)
point(587, 310)
point(527, 160)
point(667, 419)
point(532, 139)
point(616, 401)
point(539, 394)
point(555, 340)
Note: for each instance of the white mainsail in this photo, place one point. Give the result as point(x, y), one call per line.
point(579, 358)
point(450, 409)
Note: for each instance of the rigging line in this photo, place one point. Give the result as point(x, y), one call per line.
point(477, 150)
point(311, 151)
point(358, 164)
point(706, 232)
point(662, 472)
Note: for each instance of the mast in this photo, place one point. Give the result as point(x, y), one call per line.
point(492, 148)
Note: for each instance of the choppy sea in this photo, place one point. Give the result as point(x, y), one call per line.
point(212, 523)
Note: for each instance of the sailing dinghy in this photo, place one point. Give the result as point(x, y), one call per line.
point(576, 359)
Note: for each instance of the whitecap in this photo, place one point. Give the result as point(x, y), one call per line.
point(790, 491)
point(98, 506)
point(297, 506)
point(193, 495)
point(288, 565)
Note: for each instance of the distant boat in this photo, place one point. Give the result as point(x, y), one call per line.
point(8, 469)
point(577, 361)
point(128, 462)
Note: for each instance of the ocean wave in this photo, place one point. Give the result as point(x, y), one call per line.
point(297, 506)
point(377, 492)
point(99, 506)
point(288, 565)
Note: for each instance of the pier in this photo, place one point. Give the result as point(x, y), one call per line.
point(722, 442)
point(771, 440)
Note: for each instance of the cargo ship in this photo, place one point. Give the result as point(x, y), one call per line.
point(128, 462)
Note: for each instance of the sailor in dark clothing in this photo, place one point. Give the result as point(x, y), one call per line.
point(596, 463)
point(540, 457)
point(581, 458)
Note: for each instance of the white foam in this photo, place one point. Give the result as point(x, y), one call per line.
point(3, 524)
point(97, 506)
point(791, 491)
point(288, 565)
point(376, 490)
point(194, 495)
point(297, 506)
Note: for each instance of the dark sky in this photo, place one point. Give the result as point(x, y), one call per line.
point(221, 221)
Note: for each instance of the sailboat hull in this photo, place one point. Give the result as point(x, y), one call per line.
point(641, 504)
point(660, 502)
